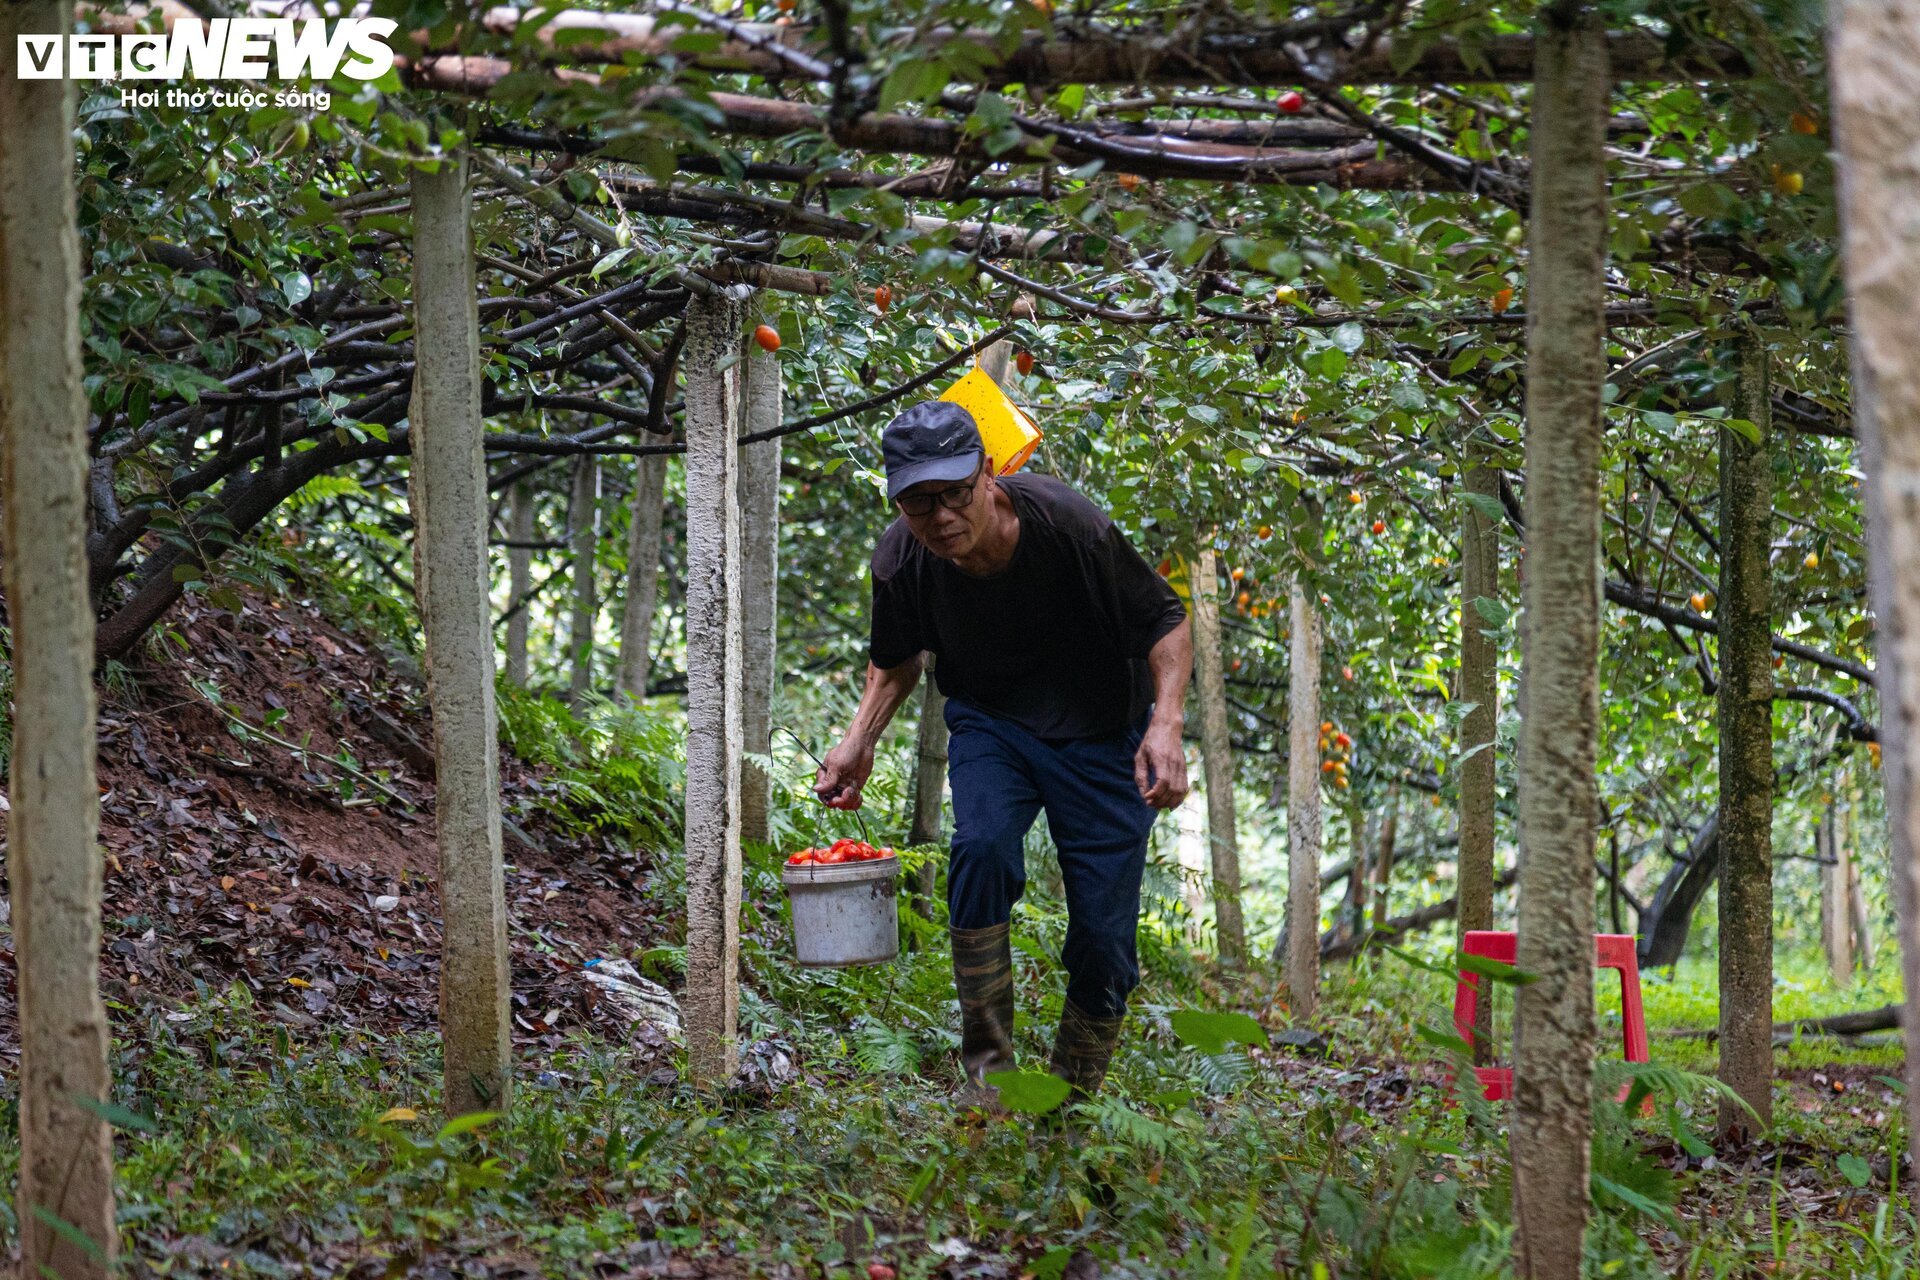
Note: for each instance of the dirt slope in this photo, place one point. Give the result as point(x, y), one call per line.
point(242, 861)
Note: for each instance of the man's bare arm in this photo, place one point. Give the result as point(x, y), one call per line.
point(1160, 765)
point(846, 768)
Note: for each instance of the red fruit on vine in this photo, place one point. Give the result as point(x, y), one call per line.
point(1024, 363)
point(768, 337)
point(1291, 102)
point(883, 298)
point(1379, 527)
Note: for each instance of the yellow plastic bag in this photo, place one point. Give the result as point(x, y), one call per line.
point(1008, 434)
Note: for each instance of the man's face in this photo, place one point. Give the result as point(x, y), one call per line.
point(951, 532)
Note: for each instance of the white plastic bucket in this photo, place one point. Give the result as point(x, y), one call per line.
point(844, 913)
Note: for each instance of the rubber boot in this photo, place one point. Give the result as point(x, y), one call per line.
point(1083, 1048)
point(983, 978)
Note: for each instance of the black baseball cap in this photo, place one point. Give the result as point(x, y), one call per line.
point(934, 440)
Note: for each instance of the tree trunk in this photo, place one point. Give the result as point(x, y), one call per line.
point(1303, 805)
point(643, 574)
point(714, 394)
point(583, 537)
point(53, 856)
point(929, 763)
point(1358, 877)
point(1746, 755)
point(1480, 688)
point(519, 579)
point(929, 782)
point(1383, 856)
point(1836, 907)
point(1875, 57)
point(1558, 805)
point(1668, 919)
point(1857, 915)
point(760, 569)
point(1190, 851)
point(448, 490)
point(1215, 746)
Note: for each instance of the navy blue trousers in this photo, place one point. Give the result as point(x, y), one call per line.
point(1002, 776)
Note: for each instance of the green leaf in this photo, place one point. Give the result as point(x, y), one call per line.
point(1350, 337)
point(70, 1233)
point(1448, 1040)
point(113, 1113)
point(1748, 431)
point(465, 1124)
point(1710, 200)
point(1854, 1169)
point(1631, 1198)
point(1495, 970)
point(1486, 504)
point(1052, 1264)
point(1492, 612)
point(1032, 1093)
point(916, 80)
point(1213, 1032)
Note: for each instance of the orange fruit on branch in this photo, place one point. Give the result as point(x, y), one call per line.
point(883, 298)
point(1353, 496)
point(1128, 181)
point(1024, 363)
point(1502, 299)
point(1379, 527)
point(1801, 122)
point(768, 337)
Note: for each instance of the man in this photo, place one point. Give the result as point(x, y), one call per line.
point(1065, 660)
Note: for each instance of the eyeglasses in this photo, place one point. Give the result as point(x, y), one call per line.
point(954, 498)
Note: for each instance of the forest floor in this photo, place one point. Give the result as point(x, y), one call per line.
point(270, 969)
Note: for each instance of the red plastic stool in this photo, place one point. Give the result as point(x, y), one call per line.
point(1611, 951)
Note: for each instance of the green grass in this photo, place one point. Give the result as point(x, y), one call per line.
point(268, 1147)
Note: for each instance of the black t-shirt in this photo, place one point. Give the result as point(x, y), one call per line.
point(1056, 642)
